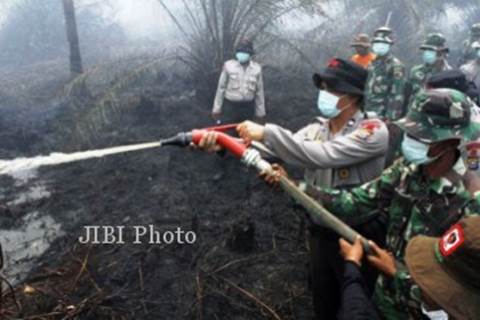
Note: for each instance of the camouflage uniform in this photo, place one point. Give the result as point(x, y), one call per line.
point(468, 52)
point(385, 83)
point(420, 73)
point(414, 203)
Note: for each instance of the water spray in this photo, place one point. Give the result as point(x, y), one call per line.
point(21, 168)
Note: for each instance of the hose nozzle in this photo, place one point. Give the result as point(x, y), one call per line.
point(182, 139)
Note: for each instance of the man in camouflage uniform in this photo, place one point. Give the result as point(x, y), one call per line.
point(386, 80)
point(434, 51)
point(422, 194)
point(468, 52)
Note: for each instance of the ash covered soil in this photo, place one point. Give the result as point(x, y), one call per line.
point(250, 257)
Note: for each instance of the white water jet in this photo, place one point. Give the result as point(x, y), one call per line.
point(24, 168)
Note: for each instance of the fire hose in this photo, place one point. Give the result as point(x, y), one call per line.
point(252, 158)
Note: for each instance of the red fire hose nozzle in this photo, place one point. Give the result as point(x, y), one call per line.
point(249, 156)
point(235, 146)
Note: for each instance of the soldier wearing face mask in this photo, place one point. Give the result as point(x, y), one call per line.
point(434, 51)
point(423, 193)
point(240, 95)
point(384, 92)
point(342, 149)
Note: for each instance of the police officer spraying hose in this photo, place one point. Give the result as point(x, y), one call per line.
point(340, 149)
point(423, 193)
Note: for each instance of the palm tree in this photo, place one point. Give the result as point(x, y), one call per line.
point(210, 29)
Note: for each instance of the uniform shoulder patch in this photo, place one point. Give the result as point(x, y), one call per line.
point(368, 128)
point(473, 155)
point(451, 240)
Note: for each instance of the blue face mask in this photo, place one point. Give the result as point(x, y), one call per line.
point(415, 151)
point(380, 48)
point(242, 57)
point(429, 56)
point(327, 104)
point(478, 53)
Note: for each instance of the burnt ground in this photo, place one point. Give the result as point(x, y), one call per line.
point(250, 257)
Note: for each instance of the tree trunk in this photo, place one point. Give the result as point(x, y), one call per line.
point(72, 36)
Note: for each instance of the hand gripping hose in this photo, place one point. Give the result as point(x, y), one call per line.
point(252, 158)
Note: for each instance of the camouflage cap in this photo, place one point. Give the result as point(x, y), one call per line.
point(475, 29)
point(383, 34)
point(361, 40)
point(435, 41)
point(437, 115)
point(384, 30)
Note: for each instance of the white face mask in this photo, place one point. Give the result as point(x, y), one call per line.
point(435, 315)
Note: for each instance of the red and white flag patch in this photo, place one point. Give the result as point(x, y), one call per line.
point(368, 128)
point(451, 240)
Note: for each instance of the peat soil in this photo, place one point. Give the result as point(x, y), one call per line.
point(249, 260)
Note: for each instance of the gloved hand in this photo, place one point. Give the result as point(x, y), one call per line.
point(250, 131)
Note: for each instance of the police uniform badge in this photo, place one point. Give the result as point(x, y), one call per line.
point(368, 128)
